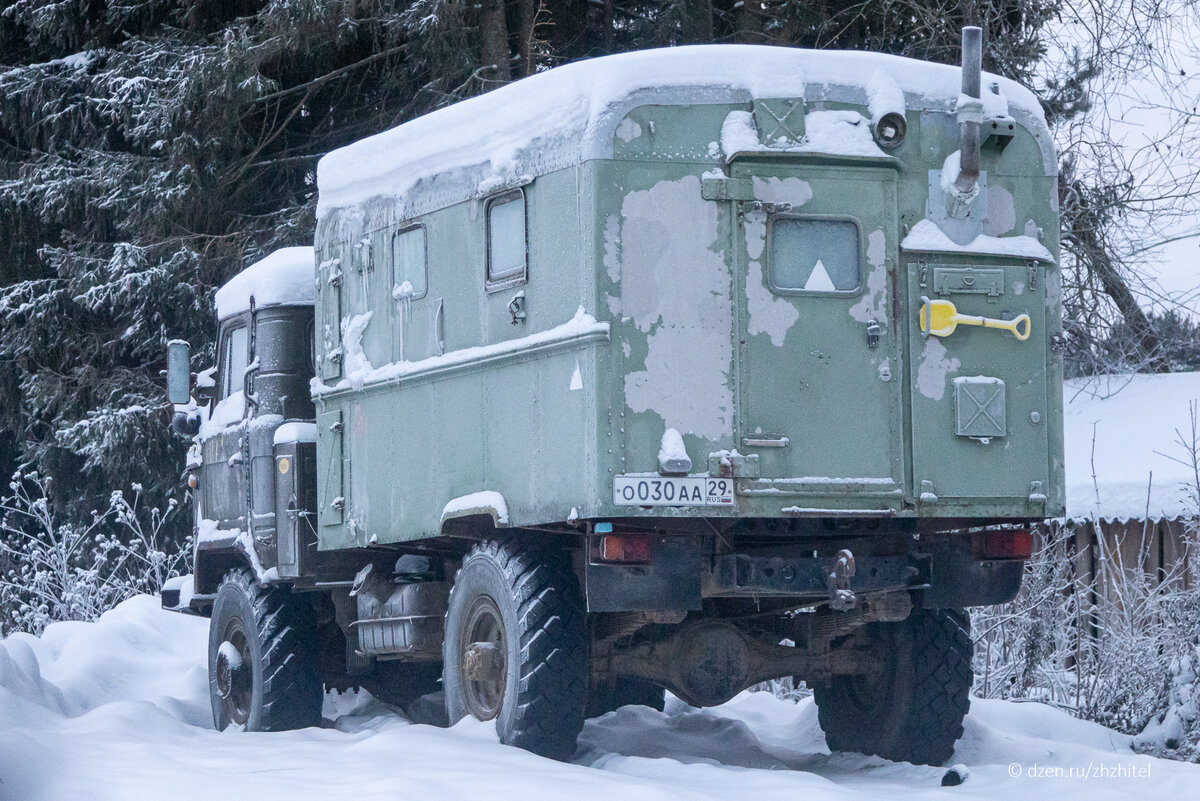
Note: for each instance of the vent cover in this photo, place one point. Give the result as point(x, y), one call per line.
point(979, 407)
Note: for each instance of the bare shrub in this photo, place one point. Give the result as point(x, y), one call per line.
point(1119, 644)
point(53, 570)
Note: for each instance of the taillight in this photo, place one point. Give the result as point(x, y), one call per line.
point(625, 548)
point(1008, 544)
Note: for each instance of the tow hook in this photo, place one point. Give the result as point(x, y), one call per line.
point(841, 597)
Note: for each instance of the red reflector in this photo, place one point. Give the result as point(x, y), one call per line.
point(1017, 544)
point(625, 548)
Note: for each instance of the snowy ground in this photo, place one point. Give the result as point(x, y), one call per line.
point(118, 710)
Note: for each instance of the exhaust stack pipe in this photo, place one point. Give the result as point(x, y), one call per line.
point(970, 118)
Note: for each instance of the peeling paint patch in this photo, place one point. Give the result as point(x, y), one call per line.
point(934, 368)
point(628, 130)
point(1001, 213)
point(873, 303)
point(782, 190)
point(1053, 289)
point(676, 287)
point(625, 349)
point(768, 314)
point(1018, 288)
point(885, 369)
point(612, 248)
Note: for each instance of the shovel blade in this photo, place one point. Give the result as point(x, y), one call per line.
point(938, 317)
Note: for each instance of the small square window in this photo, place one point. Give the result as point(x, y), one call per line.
point(409, 277)
point(234, 361)
point(506, 238)
point(815, 255)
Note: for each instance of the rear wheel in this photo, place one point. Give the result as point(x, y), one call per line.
point(262, 658)
point(515, 648)
point(913, 710)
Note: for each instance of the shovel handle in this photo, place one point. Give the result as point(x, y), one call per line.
point(1020, 326)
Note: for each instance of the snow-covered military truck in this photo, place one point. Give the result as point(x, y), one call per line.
point(681, 369)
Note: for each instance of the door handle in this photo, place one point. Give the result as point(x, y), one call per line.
point(874, 332)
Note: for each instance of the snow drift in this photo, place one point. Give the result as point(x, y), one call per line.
point(118, 709)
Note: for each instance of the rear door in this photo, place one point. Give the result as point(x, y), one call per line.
point(819, 367)
point(979, 405)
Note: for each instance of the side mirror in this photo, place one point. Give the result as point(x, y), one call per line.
point(179, 372)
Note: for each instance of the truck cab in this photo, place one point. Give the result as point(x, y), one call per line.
point(252, 462)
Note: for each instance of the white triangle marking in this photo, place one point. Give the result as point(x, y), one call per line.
point(819, 281)
point(576, 378)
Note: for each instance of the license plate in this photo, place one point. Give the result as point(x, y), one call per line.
point(663, 491)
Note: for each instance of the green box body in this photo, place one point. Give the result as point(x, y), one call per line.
point(813, 403)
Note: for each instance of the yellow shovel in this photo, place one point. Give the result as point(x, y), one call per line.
point(940, 318)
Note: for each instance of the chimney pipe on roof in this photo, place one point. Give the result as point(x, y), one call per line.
point(970, 118)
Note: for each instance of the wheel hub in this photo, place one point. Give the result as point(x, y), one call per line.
point(483, 659)
point(230, 666)
point(233, 674)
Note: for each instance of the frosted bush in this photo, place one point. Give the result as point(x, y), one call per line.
point(52, 570)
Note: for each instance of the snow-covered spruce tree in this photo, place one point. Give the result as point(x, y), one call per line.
point(148, 150)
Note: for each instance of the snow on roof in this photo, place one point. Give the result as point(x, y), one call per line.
point(286, 277)
point(568, 114)
point(1134, 423)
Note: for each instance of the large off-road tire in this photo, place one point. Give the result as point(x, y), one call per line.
point(263, 672)
point(624, 691)
point(516, 646)
point(914, 711)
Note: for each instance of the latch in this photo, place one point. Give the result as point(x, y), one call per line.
point(770, 208)
point(874, 332)
point(364, 258)
point(1033, 275)
point(335, 278)
point(720, 188)
point(516, 307)
point(336, 355)
point(731, 464)
point(337, 427)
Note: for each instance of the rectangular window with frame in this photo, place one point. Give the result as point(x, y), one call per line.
point(815, 255)
point(410, 278)
point(233, 361)
point(506, 243)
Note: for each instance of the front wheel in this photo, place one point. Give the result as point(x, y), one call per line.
point(515, 648)
point(262, 658)
point(913, 710)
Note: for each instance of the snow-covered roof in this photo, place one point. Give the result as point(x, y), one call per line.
point(569, 114)
point(1133, 422)
point(284, 278)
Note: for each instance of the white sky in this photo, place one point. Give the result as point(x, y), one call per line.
point(1146, 100)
